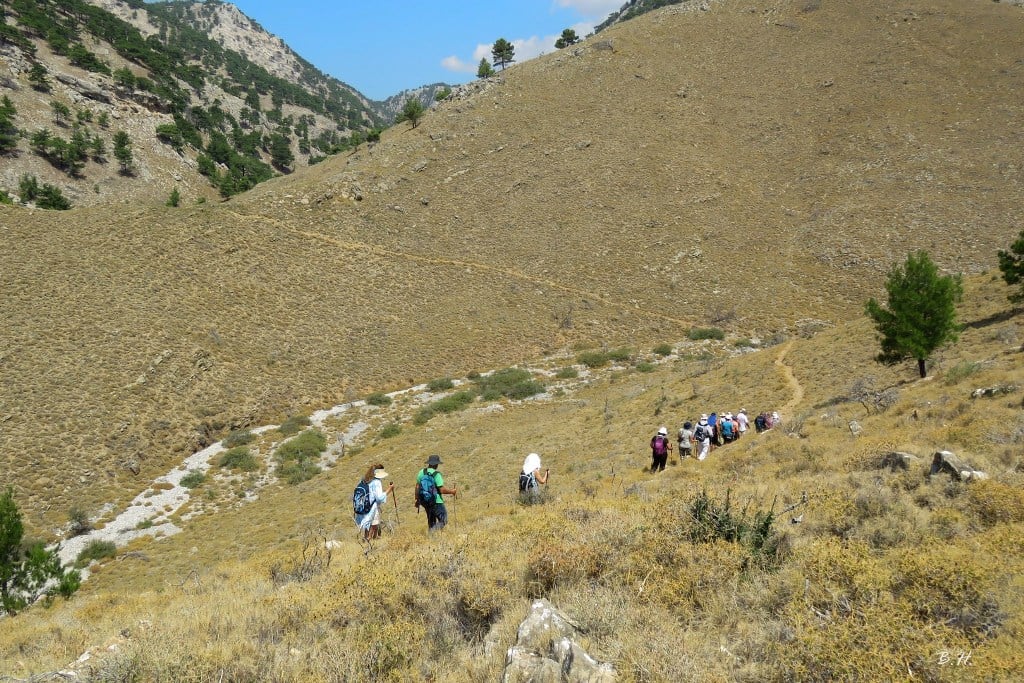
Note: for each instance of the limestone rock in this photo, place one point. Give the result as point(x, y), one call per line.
point(944, 461)
point(546, 652)
point(896, 460)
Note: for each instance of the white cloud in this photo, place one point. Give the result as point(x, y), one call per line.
point(592, 9)
point(455, 64)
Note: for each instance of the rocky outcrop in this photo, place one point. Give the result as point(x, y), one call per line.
point(546, 652)
point(897, 460)
point(944, 461)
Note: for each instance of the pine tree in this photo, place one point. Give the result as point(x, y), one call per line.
point(567, 38)
point(485, 70)
point(27, 570)
point(412, 111)
point(1011, 263)
point(921, 311)
point(123, 151)
point(8, 131)
point(503, 53)
point(175, 199)
point(37, 76)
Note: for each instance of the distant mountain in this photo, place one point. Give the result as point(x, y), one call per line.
point(390, 108)
point(200, 89)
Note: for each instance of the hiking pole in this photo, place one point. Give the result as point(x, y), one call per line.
point(398, 519)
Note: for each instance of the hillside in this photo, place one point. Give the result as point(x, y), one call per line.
point(683, 169)
point(865, 555)
point(199, 88)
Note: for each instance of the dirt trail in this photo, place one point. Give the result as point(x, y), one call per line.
point(791, 380)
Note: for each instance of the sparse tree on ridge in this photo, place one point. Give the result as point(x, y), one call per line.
point(37, 77)
point(921, 311)
point(485, 70)
point(1011, 263)
point(412, 111)
point(503, 53)
point(61, 111)
point(567, 38)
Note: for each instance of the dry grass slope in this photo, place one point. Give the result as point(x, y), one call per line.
point(888, 575)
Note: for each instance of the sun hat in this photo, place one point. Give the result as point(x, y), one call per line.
point(663, 431)
point(380, 474)
point(434, 460)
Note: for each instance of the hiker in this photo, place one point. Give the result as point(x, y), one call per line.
point(370, 496)
point(660, 448)
point(742, 422)
point(713, 428)
point(430, 485)
point(530, 478)
point(702, 435)
point(685, 439)
point(761, 422)
point(728, 428)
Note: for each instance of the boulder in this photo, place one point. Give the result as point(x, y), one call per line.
point(944, 461)
point(546, 651)
point(896, 460)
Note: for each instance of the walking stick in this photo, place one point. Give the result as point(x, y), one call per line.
point(397, 518)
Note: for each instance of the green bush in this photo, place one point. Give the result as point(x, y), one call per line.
point(699, 333)
point(593, 359)
point(711, 521)
point(515, 383)
point(144, 524)
point(663, 350)
point(298, 471)
point(442, 384)
point(80, 523)
point(306, 446)
point(238, 458)
point(294, 425)
point(620, 355)
point(378, 398)
point(567, 372)
point(393, 429)
point(95, 550)
point(644, 366)
point(193, 479)
point(239, 437)
point(961, 371)
point(743, 343)
point(448, 404)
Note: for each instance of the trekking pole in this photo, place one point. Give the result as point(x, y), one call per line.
point(398, 520)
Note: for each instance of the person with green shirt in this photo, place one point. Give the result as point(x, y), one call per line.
point(429, 490)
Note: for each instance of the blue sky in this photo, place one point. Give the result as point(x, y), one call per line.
point(381, 47)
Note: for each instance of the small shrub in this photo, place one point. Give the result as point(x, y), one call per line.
point(393, 429)
point(238, 458)
point(193, 479)
point(95, 550)
point(473, 375)
point(80, 523)
point(743, 343)
point(144, 524)
point(5, 198)
point(622, 355)
point(239, 437)
point(378, 398)
point(297, 471)
point(442, 384)
point(567, 372)
point(644, 366)
point(961, 371)
point(305, 446)
point(593, 359)
point(699, 333)
point(294, 425)
point(663, 350)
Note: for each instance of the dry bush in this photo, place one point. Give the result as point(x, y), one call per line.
point(994, 502)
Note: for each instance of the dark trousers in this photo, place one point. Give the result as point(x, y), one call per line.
point(437, 516)
point(658, 462)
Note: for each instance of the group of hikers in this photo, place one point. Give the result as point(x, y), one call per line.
point(370, 496)
point(712, 430)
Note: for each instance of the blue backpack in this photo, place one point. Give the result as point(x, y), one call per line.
point(361, 500)
point(426, 488)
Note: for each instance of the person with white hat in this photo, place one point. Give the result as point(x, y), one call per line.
point(702, 435)
point(742, 421)
point(660, 448)
point(531, 476)
point(369, 522)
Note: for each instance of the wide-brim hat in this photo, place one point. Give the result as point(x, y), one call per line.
point(663, 431)
point(434, 461)
point(380, 474)
point(704, 421)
